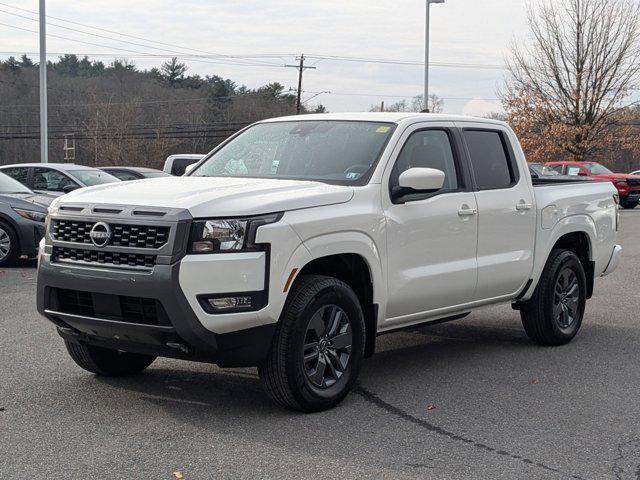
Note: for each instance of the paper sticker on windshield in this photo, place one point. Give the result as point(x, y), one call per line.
point(383, 130)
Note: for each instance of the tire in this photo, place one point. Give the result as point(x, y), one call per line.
point(628, 205)
point(9, 245)
point(106, 362)
point(553, 316)
point(303, 369)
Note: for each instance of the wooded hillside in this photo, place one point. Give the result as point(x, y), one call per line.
point(119, 115)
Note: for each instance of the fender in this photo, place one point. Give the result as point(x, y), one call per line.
point(356, 243)
point(548, 238)
point(5, 218)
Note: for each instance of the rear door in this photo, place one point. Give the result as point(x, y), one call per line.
point(506, 211)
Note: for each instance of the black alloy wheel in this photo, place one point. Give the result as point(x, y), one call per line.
point(327, 347)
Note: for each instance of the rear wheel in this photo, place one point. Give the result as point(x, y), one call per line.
point(629, 205)
point(554, 314)
point(9, 245)
point(107, 362)
point(318, 347)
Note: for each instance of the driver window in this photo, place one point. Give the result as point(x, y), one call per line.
point(50, 180)
point(428, 149)
point(573, 170)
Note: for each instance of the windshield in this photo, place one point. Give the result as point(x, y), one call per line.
point(89, 178)
point(597, 169)
point(338, 152)
point(9, 185)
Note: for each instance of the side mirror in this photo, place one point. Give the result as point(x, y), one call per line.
point(189, 168)
point(582, 174)
point(418, 180)
point(70, 188)
point(423, 180)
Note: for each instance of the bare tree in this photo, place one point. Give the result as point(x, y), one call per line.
point(568, 86)
point(436, 105)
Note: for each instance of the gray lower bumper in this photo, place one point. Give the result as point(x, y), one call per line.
point(184, 336)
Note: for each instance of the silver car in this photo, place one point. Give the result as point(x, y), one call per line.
point(56, 178)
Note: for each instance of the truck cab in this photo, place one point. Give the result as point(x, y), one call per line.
point(299, 240)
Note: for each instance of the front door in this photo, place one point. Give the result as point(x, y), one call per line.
point(431, 238)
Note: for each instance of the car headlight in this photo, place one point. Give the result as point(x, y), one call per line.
point(227, 234)
point(31, 215)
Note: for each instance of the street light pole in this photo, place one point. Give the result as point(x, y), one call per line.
point(44, 141)
point(426, 55)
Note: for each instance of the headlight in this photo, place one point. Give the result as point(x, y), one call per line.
point(31, 215)
point(227, 235)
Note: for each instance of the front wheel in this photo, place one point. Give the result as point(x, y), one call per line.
point(554, 314)
point(318, 347)
point(9, 247)
point(107, 362)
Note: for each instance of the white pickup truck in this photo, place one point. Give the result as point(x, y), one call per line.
point(299, 240)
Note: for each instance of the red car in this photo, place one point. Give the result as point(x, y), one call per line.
point(628, 185)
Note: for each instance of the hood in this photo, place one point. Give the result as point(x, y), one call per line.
point(25, 201)
point(215, 196)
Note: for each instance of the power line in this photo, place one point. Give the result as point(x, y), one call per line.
point(220, 62)
point(355, 94)
point(120, 34)
point(408, 62)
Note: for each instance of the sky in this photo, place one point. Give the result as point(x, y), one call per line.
point(273, 32)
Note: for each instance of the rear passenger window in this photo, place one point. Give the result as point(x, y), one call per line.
point(17, 173)
point(489, 158)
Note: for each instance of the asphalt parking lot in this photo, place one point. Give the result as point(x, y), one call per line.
point(472, 399)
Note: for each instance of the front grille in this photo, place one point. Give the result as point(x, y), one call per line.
point(75, 302)
point(123, 235)
point(101, 257)
point(145, 311)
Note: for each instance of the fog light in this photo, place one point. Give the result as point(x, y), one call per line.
point(230, 303)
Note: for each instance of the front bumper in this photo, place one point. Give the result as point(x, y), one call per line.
point(30, 234)
point(180, 335)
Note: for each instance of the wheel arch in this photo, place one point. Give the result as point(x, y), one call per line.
point(577, 234)
point(4, 218)
point(361, 271)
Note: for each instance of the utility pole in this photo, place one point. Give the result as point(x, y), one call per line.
point(382, 106)
point(44, 140)
point(301, 68)
point(426, 55)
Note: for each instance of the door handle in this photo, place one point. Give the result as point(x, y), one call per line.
point(465, 211)
point(522, 206)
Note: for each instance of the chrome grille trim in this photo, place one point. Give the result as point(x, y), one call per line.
point(102, 257)
point(124, 235)
point(138, 241)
